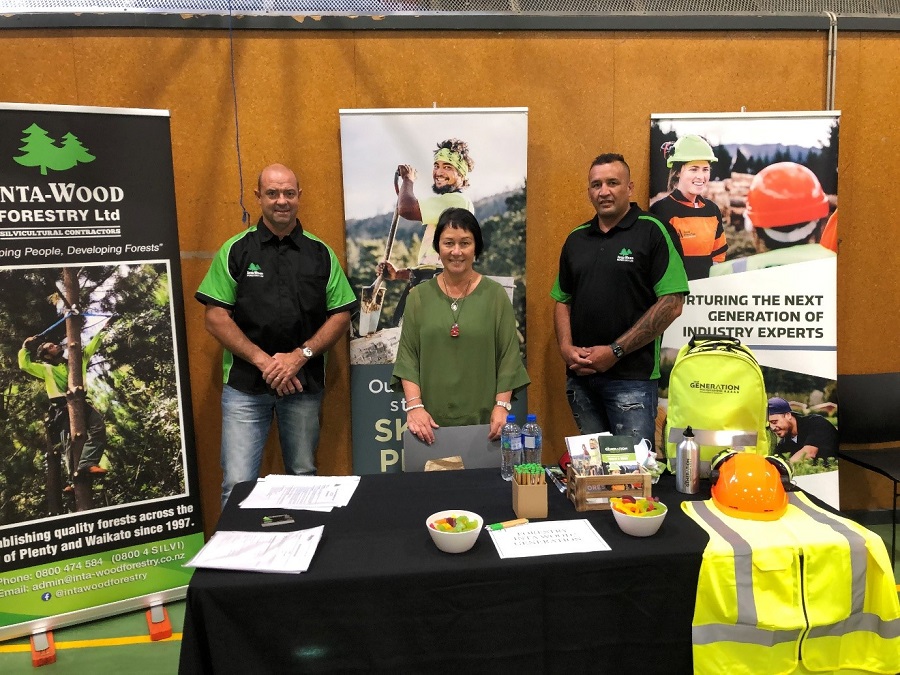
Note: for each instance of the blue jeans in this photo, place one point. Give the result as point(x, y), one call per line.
point(626, 407)
point(246, 420)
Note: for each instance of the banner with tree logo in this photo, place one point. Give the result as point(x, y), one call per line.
point(99, 500)
point(382, 150)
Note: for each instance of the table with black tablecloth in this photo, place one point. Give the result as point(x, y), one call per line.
point(379, 596)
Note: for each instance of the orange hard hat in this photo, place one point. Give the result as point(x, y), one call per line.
point(829, 235)
point(785, 193)
point(749, 486)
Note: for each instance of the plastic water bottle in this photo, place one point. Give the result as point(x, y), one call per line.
point(531, 440)
point(510, 447)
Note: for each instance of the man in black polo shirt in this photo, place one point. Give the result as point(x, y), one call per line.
point(621, 283)
point(811, 437)
point(276, 299)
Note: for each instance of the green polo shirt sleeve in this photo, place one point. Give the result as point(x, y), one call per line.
point(219, 287)
point(667, 265)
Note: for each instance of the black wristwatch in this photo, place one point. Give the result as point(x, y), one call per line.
point(617, 350)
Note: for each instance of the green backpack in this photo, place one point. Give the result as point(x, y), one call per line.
point(717, 388)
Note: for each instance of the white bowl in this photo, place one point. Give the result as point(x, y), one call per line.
point(639, 526)
point(454, 542)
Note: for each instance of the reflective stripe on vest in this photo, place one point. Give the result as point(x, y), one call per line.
point(783, 592)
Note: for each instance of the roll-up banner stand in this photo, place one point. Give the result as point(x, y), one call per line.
point(374, 144)
point(773, 177)
point(99, 499)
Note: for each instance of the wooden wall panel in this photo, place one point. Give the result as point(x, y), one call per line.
point(586, 93)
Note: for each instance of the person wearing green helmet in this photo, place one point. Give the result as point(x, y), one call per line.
point(697, 220)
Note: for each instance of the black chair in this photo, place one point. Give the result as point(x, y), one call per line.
point(869, 413)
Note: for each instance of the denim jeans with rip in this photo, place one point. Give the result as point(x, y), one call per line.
point(626, 407)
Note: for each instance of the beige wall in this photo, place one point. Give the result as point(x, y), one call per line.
point(586, 93)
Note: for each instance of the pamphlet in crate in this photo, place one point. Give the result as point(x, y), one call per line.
point(604, 465)
point(602, 454)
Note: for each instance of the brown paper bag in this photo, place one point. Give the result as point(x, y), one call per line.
point(445, 464)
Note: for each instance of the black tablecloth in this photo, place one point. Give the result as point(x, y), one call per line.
point(379, 596)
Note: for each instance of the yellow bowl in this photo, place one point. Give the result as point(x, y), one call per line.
point(639, 526)
point(454, 542)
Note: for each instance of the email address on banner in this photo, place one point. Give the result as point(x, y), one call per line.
point(104, 577)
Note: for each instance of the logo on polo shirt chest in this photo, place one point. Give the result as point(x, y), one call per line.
point(625, 255)
point(253, 270)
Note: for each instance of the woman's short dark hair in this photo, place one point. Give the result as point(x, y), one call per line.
point(462, 219)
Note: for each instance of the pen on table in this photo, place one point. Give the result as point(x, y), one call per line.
point(279, 519)
point(506, 524)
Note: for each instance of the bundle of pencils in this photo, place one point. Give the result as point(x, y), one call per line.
point(529, 474)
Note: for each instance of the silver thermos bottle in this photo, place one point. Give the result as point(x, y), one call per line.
point(687, 464)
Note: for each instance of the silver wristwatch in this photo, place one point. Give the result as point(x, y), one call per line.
point(307, 352)
point(617, 350)
point(504, 404)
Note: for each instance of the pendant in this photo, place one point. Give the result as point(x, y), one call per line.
point(454, 306)
point(454, 330)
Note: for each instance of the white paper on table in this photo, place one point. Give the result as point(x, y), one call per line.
point(552, 537)
point(289, 552)
point(309, 493)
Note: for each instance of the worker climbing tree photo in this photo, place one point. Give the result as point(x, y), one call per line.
point(89, 398)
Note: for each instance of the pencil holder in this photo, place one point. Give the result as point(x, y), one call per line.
point(530, 501)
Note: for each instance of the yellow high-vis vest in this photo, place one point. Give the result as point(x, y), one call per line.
point(811, 592)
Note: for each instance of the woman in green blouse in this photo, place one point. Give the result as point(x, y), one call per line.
point(458, 360)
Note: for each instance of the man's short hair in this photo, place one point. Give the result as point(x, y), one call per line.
point(609, 158)
point(462, 149)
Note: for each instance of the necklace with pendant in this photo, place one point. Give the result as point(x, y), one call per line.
point(456, 306)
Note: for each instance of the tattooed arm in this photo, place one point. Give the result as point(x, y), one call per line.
point(655, 320)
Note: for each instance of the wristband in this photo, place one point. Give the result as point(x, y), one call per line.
point(413, 407)
point(414, 398)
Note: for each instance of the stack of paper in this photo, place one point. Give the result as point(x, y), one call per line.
point(309, 493)
point(288, 552)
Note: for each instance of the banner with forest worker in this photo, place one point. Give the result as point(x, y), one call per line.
point(402, 168)
point(99, 500)
point(753, 199)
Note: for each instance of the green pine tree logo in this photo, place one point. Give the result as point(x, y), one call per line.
point(625, 251)
point(253, 267)
point(41, 150)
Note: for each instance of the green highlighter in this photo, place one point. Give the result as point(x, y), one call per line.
point(506, 524)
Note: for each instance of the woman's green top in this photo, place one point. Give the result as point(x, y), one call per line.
point(460, 377)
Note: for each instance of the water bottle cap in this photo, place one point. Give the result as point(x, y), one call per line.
point(532, 417)
point(510, 419)
point(688, 431)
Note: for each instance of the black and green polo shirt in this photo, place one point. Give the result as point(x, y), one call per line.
point(609, 279)
point(280, 292)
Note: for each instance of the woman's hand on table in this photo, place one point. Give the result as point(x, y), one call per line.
point(420, 424)
point(498, 419)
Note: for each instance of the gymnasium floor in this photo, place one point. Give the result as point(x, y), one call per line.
point(122, 644)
